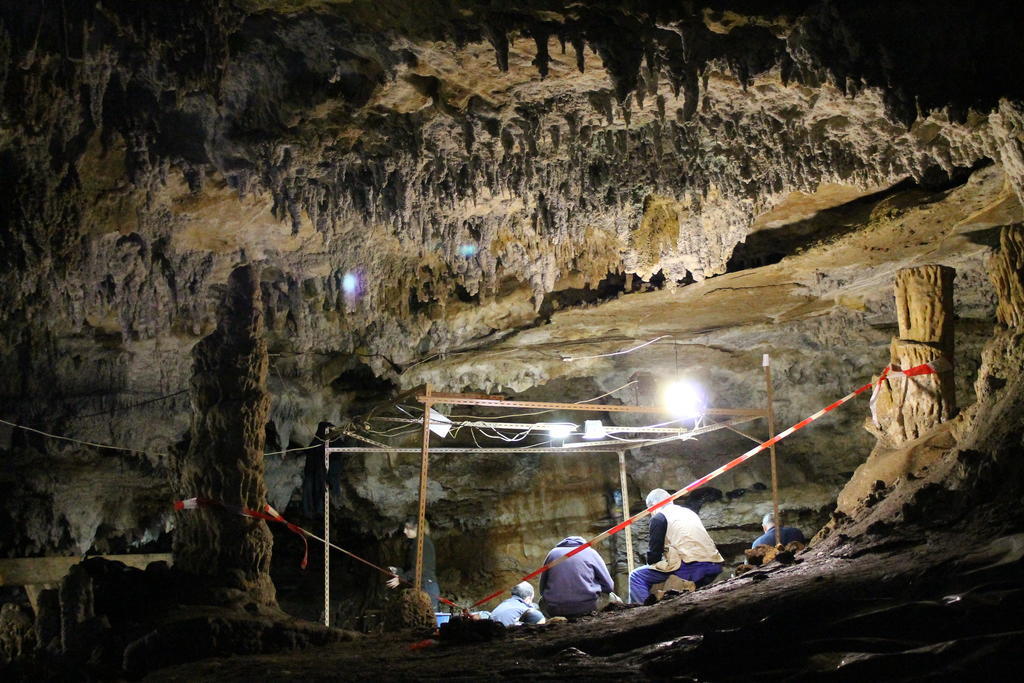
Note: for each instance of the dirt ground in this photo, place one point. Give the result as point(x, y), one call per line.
point(893, 607)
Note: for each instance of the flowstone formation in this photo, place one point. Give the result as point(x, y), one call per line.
point(224, 459)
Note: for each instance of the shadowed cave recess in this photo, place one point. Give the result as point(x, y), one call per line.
point(226, 222)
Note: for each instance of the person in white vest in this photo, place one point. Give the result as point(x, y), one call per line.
point(679, 545)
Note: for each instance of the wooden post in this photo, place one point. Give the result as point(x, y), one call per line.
point(424, 465)
point(625, 511)
point(327, 534)
point(770, 412)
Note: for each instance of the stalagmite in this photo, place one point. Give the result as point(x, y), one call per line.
point(224, 461)
point(906, 408)
point(1007, 272)
point(908, 414)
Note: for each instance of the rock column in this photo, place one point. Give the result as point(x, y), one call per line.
point(1007, 272)
point(908, 407)
point(224, 461)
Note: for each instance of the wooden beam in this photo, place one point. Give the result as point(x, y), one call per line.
point(624, 487)
point(27, 571)
point(487, 397)
point(327, 533)
point(424, 467)
point(770, 411)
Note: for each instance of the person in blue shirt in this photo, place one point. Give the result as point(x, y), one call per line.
point(519, 609)
point(788, 533)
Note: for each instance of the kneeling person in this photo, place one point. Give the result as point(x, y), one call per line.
point(571, 588)
point(787, 533)
point(679, 545)
point(519, 609)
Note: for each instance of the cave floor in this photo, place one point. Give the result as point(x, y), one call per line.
point(893, 606)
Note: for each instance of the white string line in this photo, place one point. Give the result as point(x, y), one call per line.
point(79, 441)
point(570, 359)
point(627, 384)
point(119, 448)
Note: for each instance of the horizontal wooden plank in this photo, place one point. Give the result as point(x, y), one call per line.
point(24, 571)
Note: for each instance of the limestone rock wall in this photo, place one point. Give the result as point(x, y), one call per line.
point(420, 183)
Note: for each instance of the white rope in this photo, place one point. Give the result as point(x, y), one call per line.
point(570, 359)
point(117, 448)
point(79, 441)
point(627, 384)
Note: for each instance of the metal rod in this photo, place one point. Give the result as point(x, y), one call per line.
point(327, 533)
point(625, 512)
point(424, 465)
point(743, 434)
point(568, 451)
point(770, 412)
point(585, 407)
point(541, 427)
point(526, 450)
point(365, 439)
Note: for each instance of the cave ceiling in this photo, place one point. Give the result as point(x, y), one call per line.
point(467, 193)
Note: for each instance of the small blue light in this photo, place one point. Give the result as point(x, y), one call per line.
point(350, 283)
point(467, 250)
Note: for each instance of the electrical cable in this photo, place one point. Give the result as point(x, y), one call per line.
point(570, 359)
point(609, 393)
point(130, 407)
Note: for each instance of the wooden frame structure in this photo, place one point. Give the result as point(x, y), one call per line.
point(428, 398)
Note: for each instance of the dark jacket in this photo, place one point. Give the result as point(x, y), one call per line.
point(429, 561)
point(315, 476)
point(573, 586)
point(789, 534)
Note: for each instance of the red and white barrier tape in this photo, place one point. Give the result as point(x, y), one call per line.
point(269, 514)
point(931, 368)
point(927, 368)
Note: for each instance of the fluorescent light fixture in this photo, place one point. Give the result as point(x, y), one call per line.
point(684, 398)
point(593, 429)
point(439, 424)
point(560, 430)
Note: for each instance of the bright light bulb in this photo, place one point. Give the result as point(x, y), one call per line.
point(684, 398)
point(350, 283)
point(560, 431)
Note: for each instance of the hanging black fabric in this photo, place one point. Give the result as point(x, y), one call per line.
point(316, 477)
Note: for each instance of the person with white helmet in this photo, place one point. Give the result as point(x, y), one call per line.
point(679, 545)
